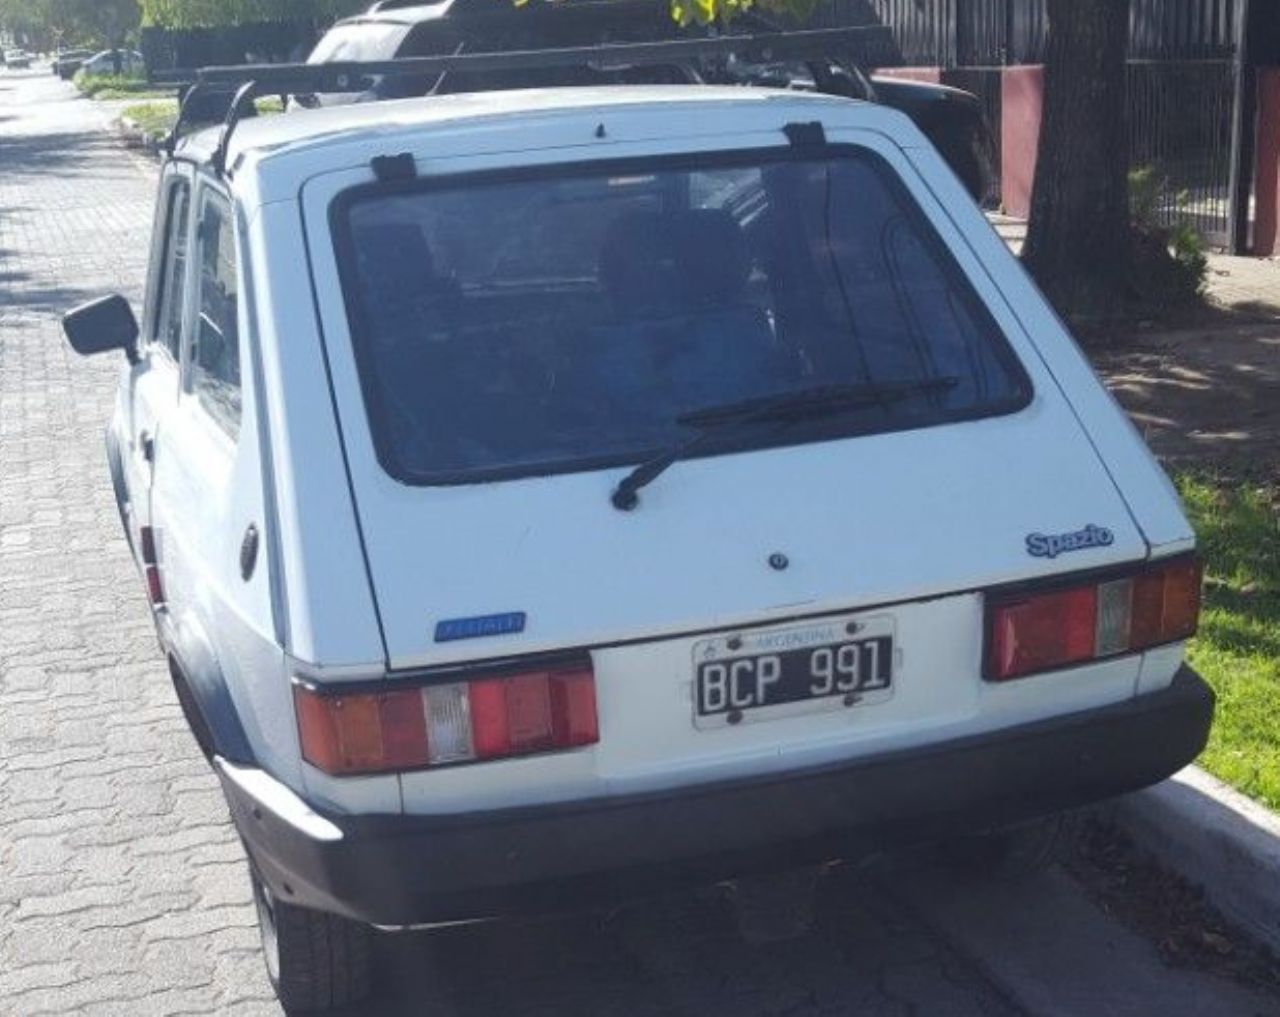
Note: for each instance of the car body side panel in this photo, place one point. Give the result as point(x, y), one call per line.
point(148, 391)
point(331, 618)
point(1145, 487)
point(1159, 666)
point(207, 492)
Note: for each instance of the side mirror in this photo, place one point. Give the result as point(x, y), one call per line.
point(102, 325)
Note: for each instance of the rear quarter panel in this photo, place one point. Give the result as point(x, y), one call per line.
point(1149, 494)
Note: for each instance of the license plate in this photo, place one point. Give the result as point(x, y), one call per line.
point(760, 675)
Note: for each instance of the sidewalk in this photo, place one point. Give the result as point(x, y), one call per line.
point(1246, 286)
point(1205, 393)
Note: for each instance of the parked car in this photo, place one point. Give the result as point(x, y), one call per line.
point(126, 61)
point(951, 118)
point(17, 60)
point(67, 62)
point(542, 497)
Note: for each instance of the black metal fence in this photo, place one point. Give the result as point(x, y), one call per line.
point(999, 32)
point(263, 42)
point(1184, 29)
point(925, 32)
point(992, 33)
point(1183, 81)
point(1180, 118)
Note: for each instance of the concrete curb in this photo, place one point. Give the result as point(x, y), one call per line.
point(135, 137)
point(1215, 837)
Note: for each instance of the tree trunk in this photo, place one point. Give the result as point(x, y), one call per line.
point(1078, 239)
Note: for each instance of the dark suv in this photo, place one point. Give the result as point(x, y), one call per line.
point(952, 119)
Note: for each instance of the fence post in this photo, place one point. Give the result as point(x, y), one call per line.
point(1021, 111)
point(1266, 230)
point(1243, 136)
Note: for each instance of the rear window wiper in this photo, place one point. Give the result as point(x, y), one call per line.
point(786, 408)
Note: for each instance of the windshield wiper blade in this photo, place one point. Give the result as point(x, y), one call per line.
point(786, 408)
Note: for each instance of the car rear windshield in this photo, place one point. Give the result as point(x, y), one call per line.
point(567, 319)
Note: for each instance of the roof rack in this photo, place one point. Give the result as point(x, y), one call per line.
point(251, 80)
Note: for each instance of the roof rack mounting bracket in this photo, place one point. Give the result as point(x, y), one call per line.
point(243, 101)
point(806, 135)
point(391, 168)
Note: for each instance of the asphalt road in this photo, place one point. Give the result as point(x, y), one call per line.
point(122, 887)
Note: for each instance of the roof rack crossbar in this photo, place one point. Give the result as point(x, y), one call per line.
point(762, 47)
point(351, 76)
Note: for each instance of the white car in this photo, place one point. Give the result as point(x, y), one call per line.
point(130, 62)
point(544, 495)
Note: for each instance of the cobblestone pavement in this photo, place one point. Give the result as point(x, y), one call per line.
point(122, 887)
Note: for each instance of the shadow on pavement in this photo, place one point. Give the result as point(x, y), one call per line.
point(22, 292)
point(54, 153)
point(1205, 395)
point(683, 956)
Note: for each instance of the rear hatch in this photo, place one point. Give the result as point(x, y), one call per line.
point(523, 341)
point(863, 521)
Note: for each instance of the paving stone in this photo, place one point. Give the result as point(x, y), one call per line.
point(93, 749)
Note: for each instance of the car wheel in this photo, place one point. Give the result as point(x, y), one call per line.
point(316, 961)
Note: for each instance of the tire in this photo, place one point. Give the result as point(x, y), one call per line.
point(316, 961)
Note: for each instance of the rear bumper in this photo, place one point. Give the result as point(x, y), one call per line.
point(395, 870)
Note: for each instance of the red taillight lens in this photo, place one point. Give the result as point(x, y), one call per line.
point(155, 587)
point(488, 718)
point(573, 707)
point(534, 712)
point(1032, 632)
point(151, 565)
point(1042, 632)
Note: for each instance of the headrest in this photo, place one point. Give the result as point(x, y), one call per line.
point(668, 262)
point(714, 255)
point(394, 257)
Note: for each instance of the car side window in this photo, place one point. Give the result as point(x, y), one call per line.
point(215, 354)
point(173, 269)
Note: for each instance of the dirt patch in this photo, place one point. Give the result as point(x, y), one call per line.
point(1206, 397)
point(1165, 909)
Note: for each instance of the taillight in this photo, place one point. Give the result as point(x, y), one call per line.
point(151, 565)
point(1037, 631)
point(487, 717)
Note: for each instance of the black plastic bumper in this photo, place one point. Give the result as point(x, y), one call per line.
point(395, 870)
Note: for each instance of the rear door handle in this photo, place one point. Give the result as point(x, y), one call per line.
point(148, 445)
